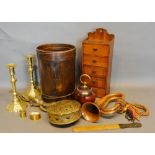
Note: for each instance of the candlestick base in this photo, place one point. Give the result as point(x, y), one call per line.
point(16, 105)
point(31, 92)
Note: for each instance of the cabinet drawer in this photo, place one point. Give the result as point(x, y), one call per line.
point(99, 92)
point(97, 82)
point(95, 61)
point(96, 49)
point(98, 72)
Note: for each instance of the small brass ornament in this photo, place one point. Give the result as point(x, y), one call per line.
point(32, 93)
point(17, 104)
point(35, 116)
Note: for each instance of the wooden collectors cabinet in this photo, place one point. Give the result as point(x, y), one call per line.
point(97, 60)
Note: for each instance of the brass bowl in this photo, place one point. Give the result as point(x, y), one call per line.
point(64, 112)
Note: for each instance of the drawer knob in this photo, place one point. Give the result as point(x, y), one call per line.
point(93, 72)
point(93, 81)
point(94, 61)
point(94, 49)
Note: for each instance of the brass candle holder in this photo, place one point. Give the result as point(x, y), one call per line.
point(32, 93)
point(17, 104)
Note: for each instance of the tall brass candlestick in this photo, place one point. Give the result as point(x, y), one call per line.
point(16, 105)
point(32, 94)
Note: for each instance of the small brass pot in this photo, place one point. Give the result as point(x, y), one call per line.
point(64, 112)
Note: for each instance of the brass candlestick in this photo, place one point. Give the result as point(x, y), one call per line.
point(32, 94)
point(17, 104)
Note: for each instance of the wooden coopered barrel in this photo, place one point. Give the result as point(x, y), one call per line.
point(57, 71)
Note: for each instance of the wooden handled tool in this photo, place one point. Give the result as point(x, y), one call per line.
point(105, 127)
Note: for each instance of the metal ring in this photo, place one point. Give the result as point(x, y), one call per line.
point(35, 115)
point(85, 75)
point(57, 97)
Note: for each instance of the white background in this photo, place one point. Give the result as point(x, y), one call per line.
point(98, 10)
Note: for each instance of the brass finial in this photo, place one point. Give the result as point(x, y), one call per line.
point(16, 105)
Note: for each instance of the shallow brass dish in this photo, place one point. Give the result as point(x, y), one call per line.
point(64, 112)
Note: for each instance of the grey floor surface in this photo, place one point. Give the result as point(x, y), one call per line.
point(11, 122)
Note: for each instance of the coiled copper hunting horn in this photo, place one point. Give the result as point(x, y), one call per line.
point(92, 111)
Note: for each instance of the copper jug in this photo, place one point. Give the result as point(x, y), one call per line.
point(84, 93)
